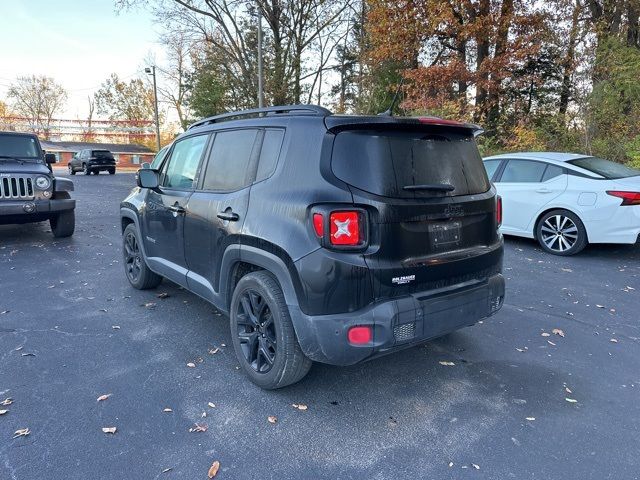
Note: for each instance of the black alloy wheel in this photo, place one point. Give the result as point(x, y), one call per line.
point(256, 331)
point(132, 257)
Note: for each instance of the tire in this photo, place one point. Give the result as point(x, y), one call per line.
point(135, 266)
point(86, 169)
point(96, 172)
point(64, 224)
point(561, 232)
point(112, 171)
point(71, 170)
point(264, 339)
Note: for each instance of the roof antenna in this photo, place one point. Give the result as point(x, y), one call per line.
point(389, 112)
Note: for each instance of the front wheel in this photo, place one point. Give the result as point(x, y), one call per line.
point(86, 169)
point(112, 171)
point(562, 233)
point(136, 269)
point(71, 170)
point(262, 333)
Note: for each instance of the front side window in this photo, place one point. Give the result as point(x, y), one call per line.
point(181, 170)
point(523, 171)
point(491, 166)
point(230, 165)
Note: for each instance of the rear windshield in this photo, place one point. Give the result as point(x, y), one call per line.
point(24, 147)
point(606, 168)
point(397, 164)
point(102, 154)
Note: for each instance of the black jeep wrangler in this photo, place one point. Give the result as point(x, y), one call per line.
point(28, 190)
point(325, 238)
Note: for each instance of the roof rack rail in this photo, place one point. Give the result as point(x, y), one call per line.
point(308, 109)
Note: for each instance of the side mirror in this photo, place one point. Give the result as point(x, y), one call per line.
point(50, 158)
point(146, 165)
point(148, 178)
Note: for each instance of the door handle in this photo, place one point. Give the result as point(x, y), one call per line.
point(543, 190)
point(229, 216)
point(176, 209)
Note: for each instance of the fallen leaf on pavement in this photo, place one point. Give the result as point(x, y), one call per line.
point(272, 419)
point(447, 364)
point(191, 365)
point(477, 467)
point(531, 419)
point(204, 414)
point(600, 306)
point(613, 340)
point(104, 397)
point(213, 351)
point(571, 400)
point(149, 305)
point(557, 331)
point(199, 427)
point(551, 343)
point(300, 406)
point(211, 404)
point(116, 327)
point(545, 334)
point(167, 470)
point(213, 470)
point(6, 402)
point(450, 464)
point(567, 270)
point(2, 412)
point(167, 410)
point(29, 354)
point(163, 295)
point(23, 432)
point(109, 429)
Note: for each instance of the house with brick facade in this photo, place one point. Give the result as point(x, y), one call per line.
point(126, 154)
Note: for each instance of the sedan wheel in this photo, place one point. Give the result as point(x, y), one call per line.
point(561, 232)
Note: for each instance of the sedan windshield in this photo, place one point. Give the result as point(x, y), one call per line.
point(18, 146)
point(607, 169)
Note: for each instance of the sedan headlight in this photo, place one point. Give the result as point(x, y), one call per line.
point(43, 183)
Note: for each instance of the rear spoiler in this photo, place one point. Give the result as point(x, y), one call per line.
point(338, 123)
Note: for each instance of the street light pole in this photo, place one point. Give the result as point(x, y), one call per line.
point(260, 73)
point(152, 71)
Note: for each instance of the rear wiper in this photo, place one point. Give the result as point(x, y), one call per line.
point(438, 187)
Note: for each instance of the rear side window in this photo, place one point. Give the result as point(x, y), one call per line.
point(270, 152)
point(523, 171)
point(551, 172)
point(385, 162)
point(230, 166)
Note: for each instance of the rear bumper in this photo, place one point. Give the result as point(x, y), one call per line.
point(398, 323)
point(14, 212)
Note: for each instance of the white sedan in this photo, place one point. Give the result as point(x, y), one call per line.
point(566, 200)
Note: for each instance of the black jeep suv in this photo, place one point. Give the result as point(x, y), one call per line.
point(92, 161)
point(28, 190)
point(325, 238)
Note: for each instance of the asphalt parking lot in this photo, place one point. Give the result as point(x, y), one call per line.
point(513, 399)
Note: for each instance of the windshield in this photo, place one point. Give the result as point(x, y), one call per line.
point(607, 169)
point(409, 164)
point(22, 147)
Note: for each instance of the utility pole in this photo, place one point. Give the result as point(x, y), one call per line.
point(152, 71)
point(260, 73)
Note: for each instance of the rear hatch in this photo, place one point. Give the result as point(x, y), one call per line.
point(432, 210)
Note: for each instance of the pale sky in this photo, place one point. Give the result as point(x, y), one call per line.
point(77, 42)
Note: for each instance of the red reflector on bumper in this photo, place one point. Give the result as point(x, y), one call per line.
point(360, 335)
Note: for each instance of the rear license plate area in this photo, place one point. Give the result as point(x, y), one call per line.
point(445, 235)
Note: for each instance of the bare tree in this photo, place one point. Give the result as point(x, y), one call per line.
point(37, 98)
point(173, 89)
